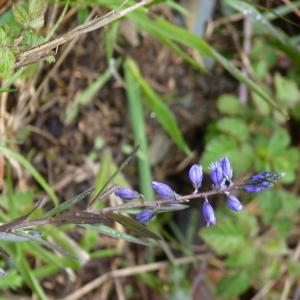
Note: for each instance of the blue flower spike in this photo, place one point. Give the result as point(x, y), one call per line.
point(127, 194)
point(256, 188)
point(208, 213)
point(216, 175)
point(261, 181)
point(145, 215)
point(163, 190)
point(226, 168)
point(233, 203)
point(196, 175)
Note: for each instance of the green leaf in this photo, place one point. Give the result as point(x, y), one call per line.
point(234, 285)
point(163, 114)
point(30, 168)
point(276, 246)
point(36, 7)
point(36, 10)
point(261, 105)
point(277, 204)
point(117, 234)
point(11, 281)
point(278, 142)
point(20, 14)
point(224, 238)
point(7, 62)
point(3, 37)
point(229, 104)
point(235, 127)
point(37, 22)
point(45, 243)
point(86, 96)
point(32, 39)
point(286, 90)
point(69, 203)
point(134, 226)
point(228, 146)
point(110, 39)
point(287, 163)
point(136, 112)
point(243, 259)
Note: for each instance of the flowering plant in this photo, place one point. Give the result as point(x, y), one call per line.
point(221, 175)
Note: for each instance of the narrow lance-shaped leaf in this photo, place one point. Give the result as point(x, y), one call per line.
point(69, 203)
point(21, 219)
point(136, 112)
point(117, 234)
point(31, 169)
point(163, 114)
point(133, 225)
point(47, 244)
point(112, 177)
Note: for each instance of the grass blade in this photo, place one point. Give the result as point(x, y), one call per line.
point(163, 113)
point(31, 169)
point(69, 203)
point(136, 113)
point(133, 225)
point(117, 234)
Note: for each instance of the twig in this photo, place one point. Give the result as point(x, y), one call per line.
point(289, 281)
point(84, 290)
point(34, 54)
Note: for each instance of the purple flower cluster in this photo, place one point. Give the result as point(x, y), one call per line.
point(262, 181)
point(221, 175)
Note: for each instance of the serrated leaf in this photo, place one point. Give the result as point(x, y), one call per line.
point(36, 7)
point(229, 104)
point(224, 238)
point(228, 146)
point(235, 285)
point(262, 106)
point(3, 37)
point(37, 22)
point(286, 90)
point(117, 234)
point(20, 14)
point(32, 39)
point(277, 204)
point(7, 62)
point(287, 163)
point(235, 127)
point(242, 259)
point(11, 280)
point(279, 140)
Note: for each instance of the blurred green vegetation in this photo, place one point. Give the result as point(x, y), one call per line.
point(251, 250)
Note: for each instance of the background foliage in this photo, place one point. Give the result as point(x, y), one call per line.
point(152, 79)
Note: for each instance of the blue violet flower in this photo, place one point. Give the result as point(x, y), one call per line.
point(127, 194)
point(145, 215)
point(196, 175)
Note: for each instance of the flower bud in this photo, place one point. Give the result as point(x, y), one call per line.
point(256, 188)
point(216, 175)
point(127, 194)
point(208, 213)
point(233, 203)
point(226, 168)
point(145, 215)
point(196, 175)
point(163, 190)
point(259, 177)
